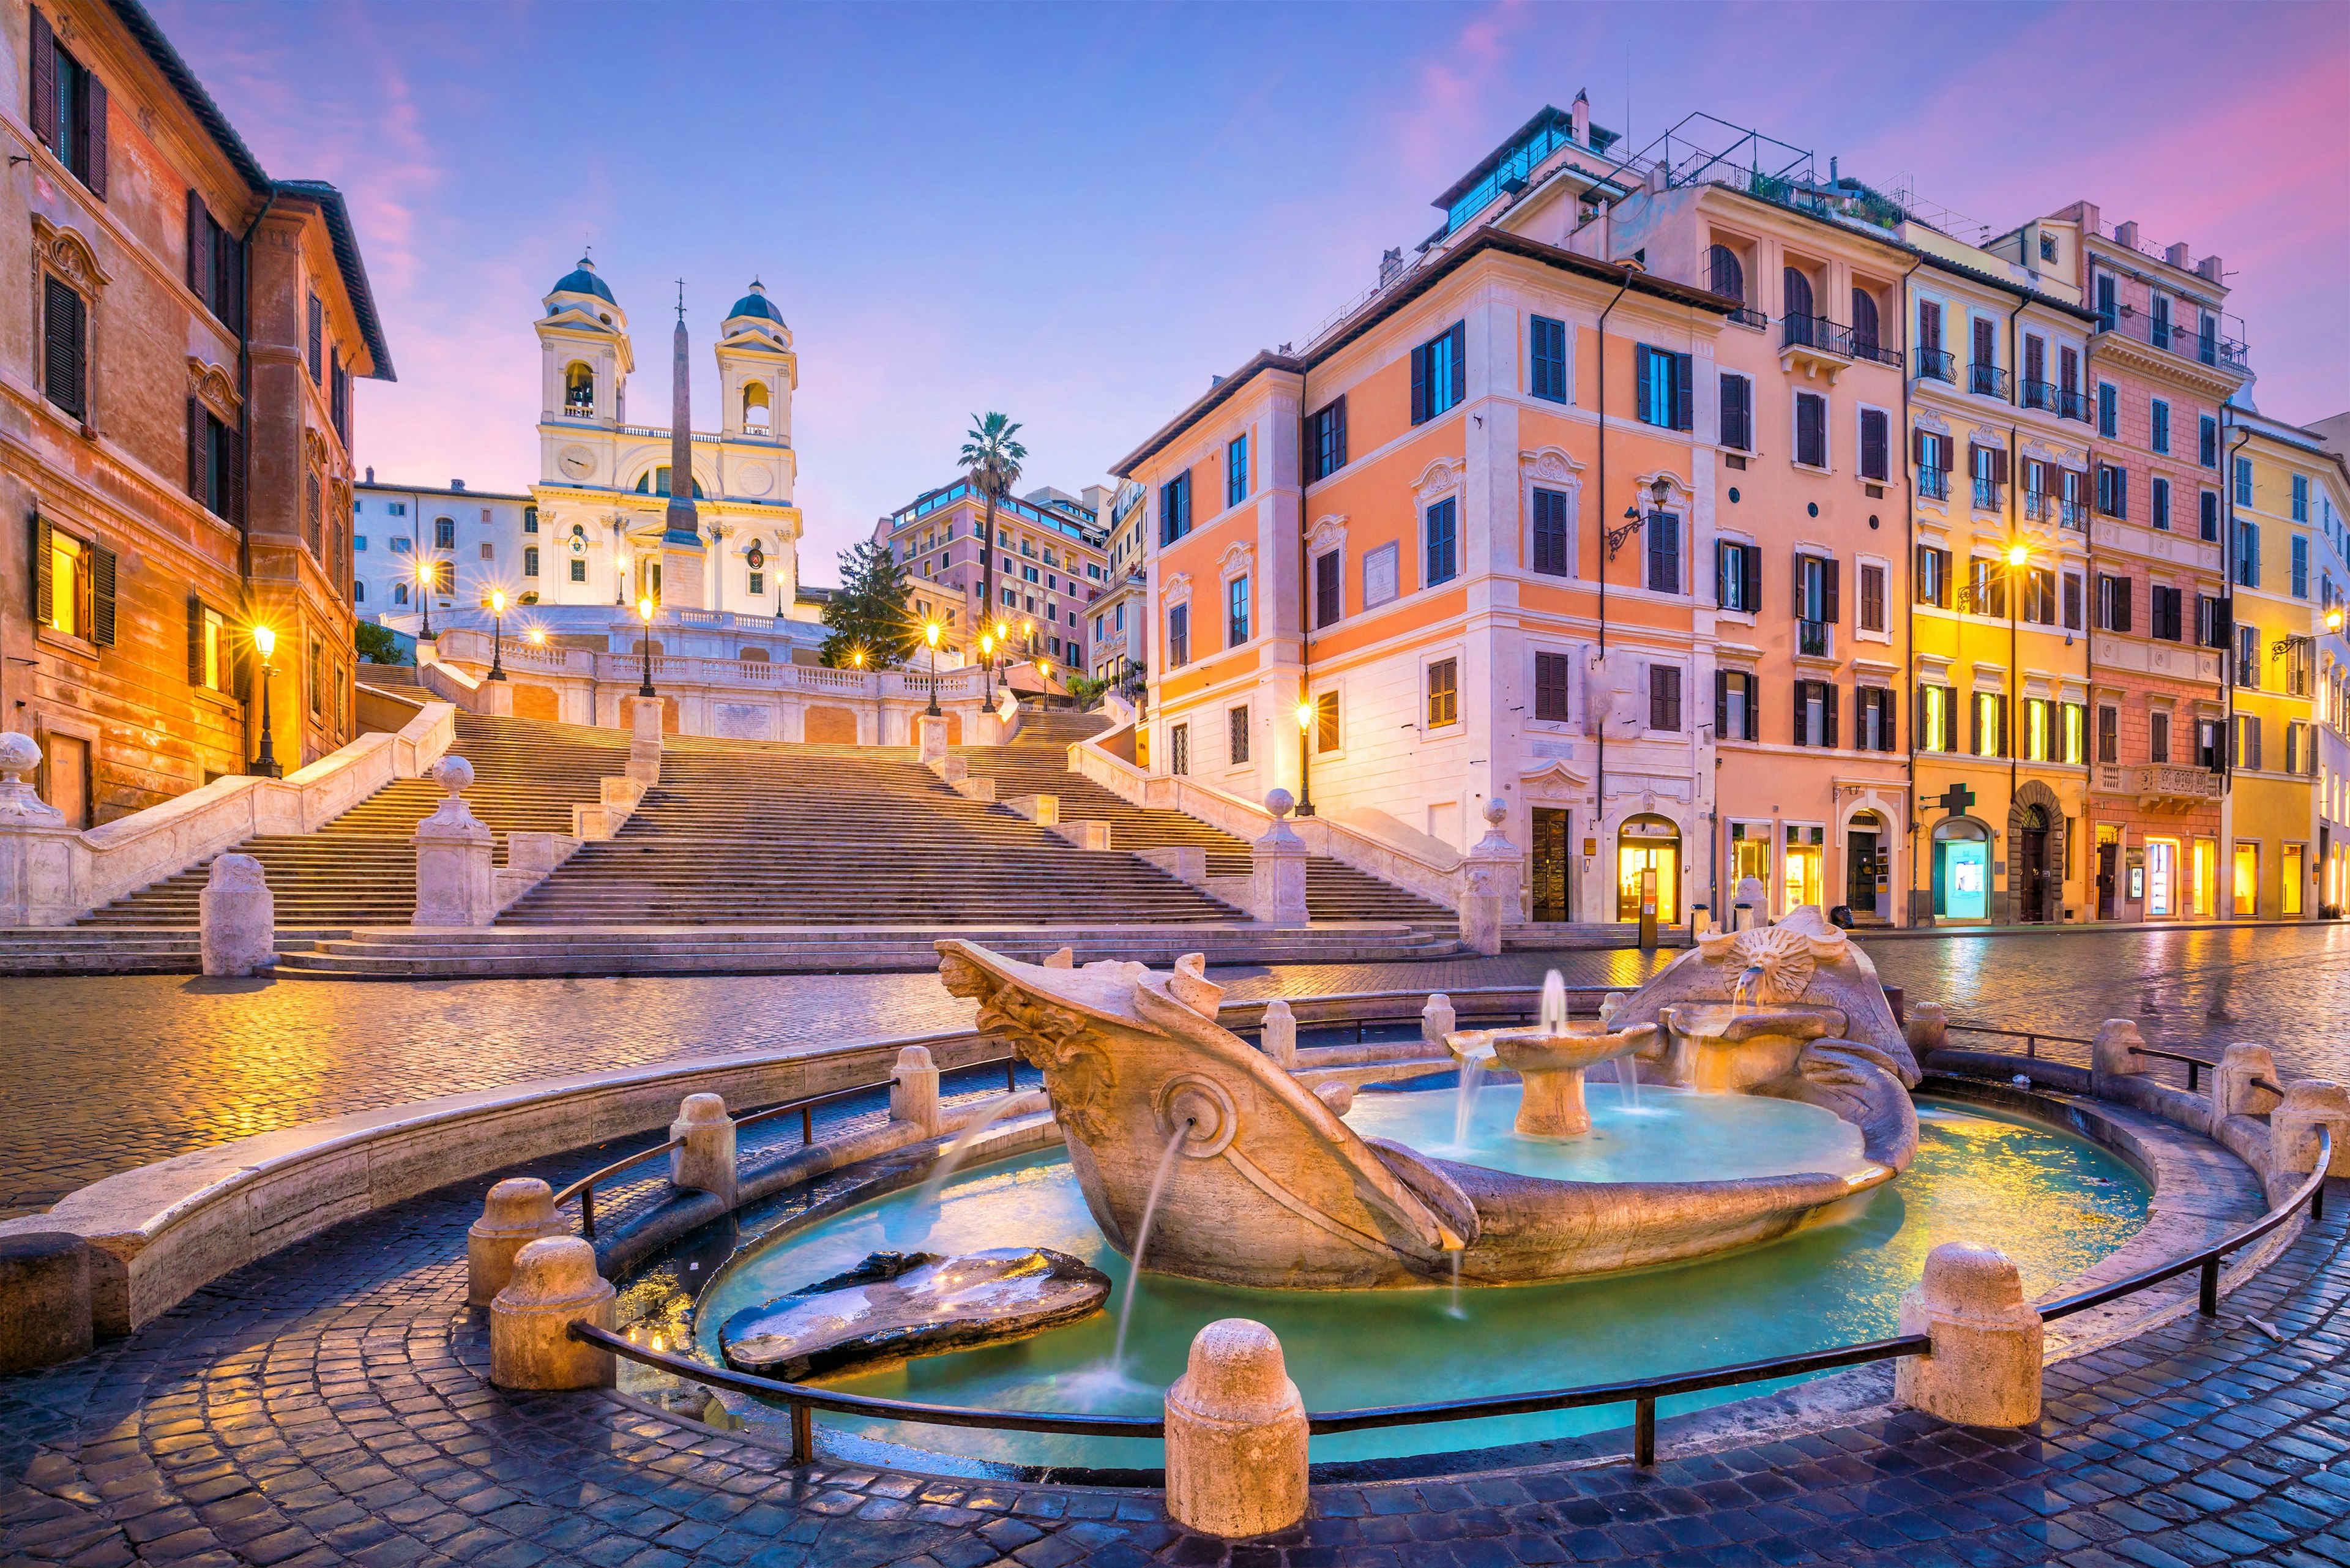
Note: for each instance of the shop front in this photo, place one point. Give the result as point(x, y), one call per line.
point(1962, 870)
point(1649, 843)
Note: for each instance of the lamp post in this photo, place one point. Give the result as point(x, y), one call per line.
point(930, 636)
point(1045, 682)
point(497, 634)
point(427, 578)
point(264, 766)
point(645, 614)
point(1304, 756)
point(1002, 633)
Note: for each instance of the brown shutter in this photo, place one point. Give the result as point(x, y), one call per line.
point(232, 279)
point(1835, 594)
point(193, 274)
point(1918, 447)
point(196, 444)
point(44, 579)
point(1796, 582)
point(44, 81)
point(1341, 444)
point(101, 596)
point(195, 640)
point(94, 132)
point(233, 480)
point(1830, 735)
point(1999, 466)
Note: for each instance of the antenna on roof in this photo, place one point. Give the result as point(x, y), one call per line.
point(680, 299)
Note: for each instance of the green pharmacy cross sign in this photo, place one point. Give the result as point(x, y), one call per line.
point(1955, 799)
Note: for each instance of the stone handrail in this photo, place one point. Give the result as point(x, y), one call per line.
point(474, 648)
point(1397, 864)
point(96, 866)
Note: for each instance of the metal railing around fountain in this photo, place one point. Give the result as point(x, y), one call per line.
point(584, 1188)
point(1640, 1393)
point(2031, 1038)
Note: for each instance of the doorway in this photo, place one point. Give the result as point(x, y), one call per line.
point(1866, 873)
point(2289, 881)
point(1962, 870)
point(2161, 878)
point(67, 785)
point(2109, 856)
point(1549, 892)
point(1649, 844)
point(1806, 883)
point(2031, 879)
point(2247, 882)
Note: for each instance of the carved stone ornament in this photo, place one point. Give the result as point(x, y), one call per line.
point(1787, 956)
point(1177, 591)
point(68, 254)
point(211, 385)
point(1927, 420)
point(1549, 463)
point(1439, 479)
point(1330, 533)
point(20, 806)
point(1237, 558)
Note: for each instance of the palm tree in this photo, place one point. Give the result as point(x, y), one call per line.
point(992, 459)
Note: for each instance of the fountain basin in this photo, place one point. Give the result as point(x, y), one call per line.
point(1723, 1048)
point(1551, 1062)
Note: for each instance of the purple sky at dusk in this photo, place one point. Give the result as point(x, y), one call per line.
point(1077, 213)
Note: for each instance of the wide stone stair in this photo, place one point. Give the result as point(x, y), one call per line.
point(360, 869)
point(1036, 762)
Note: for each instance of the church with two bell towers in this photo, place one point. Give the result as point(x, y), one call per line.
point(615, 524)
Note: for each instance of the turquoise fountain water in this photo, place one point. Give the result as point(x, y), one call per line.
point(2055, 1202)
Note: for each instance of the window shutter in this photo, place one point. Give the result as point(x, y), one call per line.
point(1420, 385)
point(1754, 707)
point(44, 577)
point(44, 81)
point(2121, 604)
point(1684, 398)
point(93, 131)
point(195, 640)
point(1722, 705)
point(1918, 447)
point(231, 272)
point(61, 325)
point(1752, 555)
point(101, 596)
point(1338, 414)
point(1459, 388)
point(232, 481)
point(1640, 379)
point(195, 274)
point(1833, 571)
point(196, 449)
point(1830, 736)
point(1802, 689)
point(1795, 580)
point(1999, 465)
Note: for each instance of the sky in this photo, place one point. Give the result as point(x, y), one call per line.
point(1077, 213)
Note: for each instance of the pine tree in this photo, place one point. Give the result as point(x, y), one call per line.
point(869, 613)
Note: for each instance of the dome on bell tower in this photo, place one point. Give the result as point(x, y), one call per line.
point(582, 279)
point(757, 303)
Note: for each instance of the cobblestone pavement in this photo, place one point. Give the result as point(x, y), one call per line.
point(327, 1406)
point(105, 1074)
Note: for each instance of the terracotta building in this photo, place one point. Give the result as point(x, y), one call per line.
point(175, 425)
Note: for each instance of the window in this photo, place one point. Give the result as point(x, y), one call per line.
point(1236, 471)
point(1875, 445)
point(1546, 359)
point(1553, 675)
point(1816, 714)
point(2248, 554)
point(2207, 517)
point(1236, 612)
point(578, 571)
point(2248, 657)
point(1326, 721)
point(489, 551)
point(1725, 274)
point(216, 466)
point(1664, 531)
point(530, 519)
point(1873, 718)
point(1937, 719)
point(1738, 412)
point(1865, 331)
point(399, 590)
point(2211, 621)
point(1662, 381)
point(2161, 518)
point(1871, 597)
point(1990, 714)
point(68, 108)
point(1735, 717)
point(2073, 601)
point(1175, 508)
point(2300, 566)
point(1933, 577)
point(1811, 429)
point(1178, 750)
point(1818, 589)
point(1738, 576)
point(1443, 693)
point(2300, 498)
point(2108, 304)
point(1326, 441)
point(1795, 305)
point(2113, 490)
point(1987, 591)
point(530, 562)
point(73, 588)
point(2243, 481)
point(1550, 545)
point(1664, 697)
point(1439, 377)
point(1236, 726)
point(1442, 553)
point(317, 353)
point(1326, 593)
point(2244, 743)
point(2158, 736)
point(444, 534)
point(1932, 453)
point(65, 347)
point(2112, 603)
point(2164, 616)
point(1178, 637)
point(2160, 438)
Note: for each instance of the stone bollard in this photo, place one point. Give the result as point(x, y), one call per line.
point(2112, 1055)
point(1280, 1033)
point(1984, 1369)
point(1336, 1092)
point(1277, 869)
point(2232, 1092)
point(1436, 1019)
point(555, 1282)
point(2308, 1104)
point(1489, 873)
point(930, 738)
point(914, 1090)
point(705, 1161)
point(44, 1300)
point(518, 1212)
point(1928, 1028)
point(44, 864)
point(456, 884)
point(238, 916)
point(1235, 1435)
point(643, 716)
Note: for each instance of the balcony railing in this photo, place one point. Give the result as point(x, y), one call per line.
point(2072, 514)
point(1936, 364)
point(578, 411)
point(2040, 395)
point(1833, 337)
point(1934, 484)
point(2072, 405)
point(1987, 495)
point(1988, 381)
point(1747, 316)
point(1812, 640)
point(2039, 507)
point(2205, 348)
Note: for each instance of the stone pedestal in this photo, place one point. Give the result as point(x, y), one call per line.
point(43, 863)
point(705, 1162)
point(2233, 1091)
point(1235, 1435)
point(914, 1090)
point(644, 716)
point(238, 916)
point(1281, 1033)
point(456, 884)
point(1928, 1028)
point(2309, 1103)
point(1985, 1366)
point(930, 738)
point(555, 1282)
point(1277, 869)
point(1489, 875)
point(44, 1300)
point(1044, 810)
point(2113, 1055)
point(517, 1211)
point(1436, 1022)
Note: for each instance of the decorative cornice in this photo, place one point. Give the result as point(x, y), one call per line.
point(1439, 477)
point(1178, 590)
point(1551, 462)
point(1330, 533)
point(215, 389)
point(1237, 558)
point(68, 253)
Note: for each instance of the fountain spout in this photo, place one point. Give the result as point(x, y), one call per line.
point(1747, 978)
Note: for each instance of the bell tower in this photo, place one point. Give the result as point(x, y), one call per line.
point(583, 352)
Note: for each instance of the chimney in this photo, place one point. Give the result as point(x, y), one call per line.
point(2176, 254)
point(2127, 233)
point(1833, 178)
point(456, 484)
point(2208, 268)
point(1580, 114)
point(1657, 178)
point(370, 478)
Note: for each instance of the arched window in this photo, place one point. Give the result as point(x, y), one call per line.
point(1795, 302)
point(657, 484)
point(1864, 320)
point(400, 593)
point(1724, 275)
point(755, 413)
point(579, 389)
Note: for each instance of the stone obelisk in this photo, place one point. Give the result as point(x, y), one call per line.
point(682, 543)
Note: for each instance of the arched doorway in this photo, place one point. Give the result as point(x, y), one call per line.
point(1649, 843)
point(1867, 866)
point(1962, 870)
point(2029, 877)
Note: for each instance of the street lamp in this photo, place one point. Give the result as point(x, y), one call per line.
point(1045, 682)
point(497, 634)
point(427, 578)
point(645, 614)
point(930, 636)
point(264, 766)
point(1304, 756)
point(1003, 636)
point(2333, 619)
point(536, 636)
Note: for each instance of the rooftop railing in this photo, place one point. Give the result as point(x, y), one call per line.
point(2205, 346)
